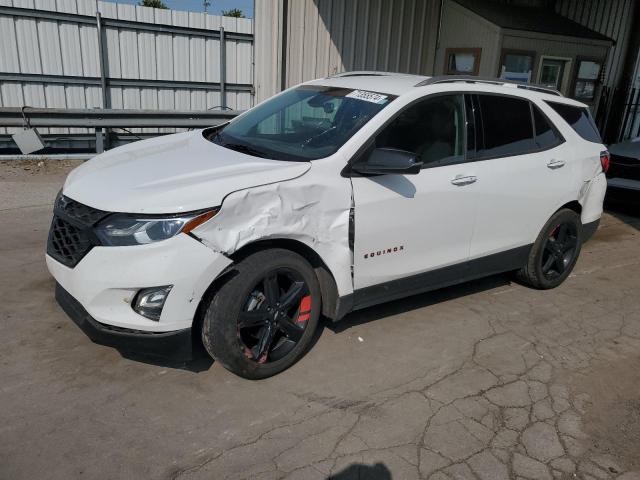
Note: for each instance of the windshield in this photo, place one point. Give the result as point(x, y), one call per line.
point(305, 123)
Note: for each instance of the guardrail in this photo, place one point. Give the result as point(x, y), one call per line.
point(104, 119)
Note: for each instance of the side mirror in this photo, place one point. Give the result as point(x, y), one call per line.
point(384, 161)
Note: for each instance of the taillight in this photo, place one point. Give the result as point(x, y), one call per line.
point(604, 161)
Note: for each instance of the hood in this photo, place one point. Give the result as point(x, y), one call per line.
point(171, 174)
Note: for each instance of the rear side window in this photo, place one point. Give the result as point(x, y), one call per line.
point(546, 135)
point(580, 120)
point(506, 126)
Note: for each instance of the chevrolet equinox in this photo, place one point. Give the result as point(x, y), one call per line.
point(332, 196)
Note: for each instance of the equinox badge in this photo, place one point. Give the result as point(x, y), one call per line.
point(384, 252)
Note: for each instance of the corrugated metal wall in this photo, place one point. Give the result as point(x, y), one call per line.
point(611, 18)
point(44, 46)
point(331, 36)
point(268, 44)
point(457, 22)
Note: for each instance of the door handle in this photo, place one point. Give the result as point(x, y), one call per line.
point(553, 164)
point(461, 180)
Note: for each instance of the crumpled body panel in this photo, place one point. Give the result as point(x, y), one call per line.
point(310, 209)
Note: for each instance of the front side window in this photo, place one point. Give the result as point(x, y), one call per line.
point(434, 129)
point(546, 135)
point(580, 120)
point(305, 123)
point(506, 126)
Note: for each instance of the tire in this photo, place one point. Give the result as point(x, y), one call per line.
point(552, 258)
point(255, 332)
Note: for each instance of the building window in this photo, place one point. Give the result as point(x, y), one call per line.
point(462, 61)
point(554, 72)
point(516, 65)
point(587, 75)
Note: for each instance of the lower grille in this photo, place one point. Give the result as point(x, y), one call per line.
point(71, 236)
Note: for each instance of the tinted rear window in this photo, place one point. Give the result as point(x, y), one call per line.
point(507, 126)
point(580, 120)
point(546, 135)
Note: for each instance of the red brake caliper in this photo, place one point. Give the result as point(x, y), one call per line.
point(305, 309)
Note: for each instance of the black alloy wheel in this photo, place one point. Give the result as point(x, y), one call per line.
point(264, 316)
point(555, 251)
point(559, 250)
point(274, 316)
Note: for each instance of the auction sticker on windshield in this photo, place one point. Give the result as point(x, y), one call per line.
point(367, 96)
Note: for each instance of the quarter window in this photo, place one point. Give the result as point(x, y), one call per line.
point(433, 129)
point(507, 128)
point(580, 120)
point(546, 135)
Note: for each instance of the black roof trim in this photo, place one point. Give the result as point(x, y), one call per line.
point(361, 73)
point(487, 81)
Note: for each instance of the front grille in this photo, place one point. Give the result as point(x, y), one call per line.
point(67, 243)
point(71, 235)
point(83, 214)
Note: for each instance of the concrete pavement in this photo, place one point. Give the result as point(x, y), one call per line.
point(487, 380)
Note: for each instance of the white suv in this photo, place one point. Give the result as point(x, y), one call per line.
point(334, 195)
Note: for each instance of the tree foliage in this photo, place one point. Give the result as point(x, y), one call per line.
point(234, 12)
point(153, 4)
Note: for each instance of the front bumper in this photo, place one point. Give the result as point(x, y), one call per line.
point(107, 279)
point(176, 345)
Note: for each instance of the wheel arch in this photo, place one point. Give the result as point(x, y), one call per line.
point(328, 286)
point(572, 205)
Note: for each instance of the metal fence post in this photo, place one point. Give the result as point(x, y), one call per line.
point(103, 63)
point(223, 69)
point(106, 103)
point(629, 110)
point(99, 140)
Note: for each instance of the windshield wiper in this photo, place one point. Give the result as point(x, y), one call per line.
point(238, 147)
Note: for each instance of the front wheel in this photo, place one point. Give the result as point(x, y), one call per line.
point(263, 319)
point(555, 252)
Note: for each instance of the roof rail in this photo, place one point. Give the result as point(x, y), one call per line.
point(487, 81)
point(360, 73)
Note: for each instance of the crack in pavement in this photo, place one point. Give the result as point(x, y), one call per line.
point(517, 420)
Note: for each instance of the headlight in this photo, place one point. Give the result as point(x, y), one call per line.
point(122, 229)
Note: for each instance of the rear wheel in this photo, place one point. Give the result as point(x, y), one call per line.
point(555, 252)
point(263, 319)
